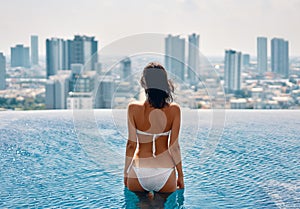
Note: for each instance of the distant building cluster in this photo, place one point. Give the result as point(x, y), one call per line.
point(267, 94)
point(22, 56)
point(71, 77)
point(86, 89)
point(263, 93)
point(16, 92)
point(175, 57)
point(61, 54)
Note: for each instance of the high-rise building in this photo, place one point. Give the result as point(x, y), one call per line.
point(57, 88)
point(83, 50)
point(85, 82)
point(81, 81)
point(80, 100)
point(126, 68)
point(19, 56)
point(105, 92)
point(76, 70)
point(194, 57)
point(175, 56)
point(57, 57)
point(98, 68)
point(246, 60)
point(2, 71)
point(262, 55)
point(34, 50)
point(81, 87)
point(61, 54)
point(280, 56)
point(232, 71)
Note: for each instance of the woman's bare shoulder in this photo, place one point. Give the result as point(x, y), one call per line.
point(135, 105)
point(174, 107)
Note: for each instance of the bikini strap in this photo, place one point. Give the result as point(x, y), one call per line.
point(153, 138)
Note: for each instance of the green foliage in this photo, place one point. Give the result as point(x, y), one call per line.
point(241, 94)
point(37, 103)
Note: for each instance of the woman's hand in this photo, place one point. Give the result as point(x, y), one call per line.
point(180, 183)
point(125, 180)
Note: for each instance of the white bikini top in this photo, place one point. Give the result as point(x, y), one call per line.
point(153, 138)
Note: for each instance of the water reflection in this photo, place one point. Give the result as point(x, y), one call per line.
point(160, 200)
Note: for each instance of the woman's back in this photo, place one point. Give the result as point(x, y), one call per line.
point(155, 126)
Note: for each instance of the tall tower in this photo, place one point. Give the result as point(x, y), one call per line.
point(34, 50)
point(57, 88)
point(262, 55)
point(2, 71)
point(193, 59)
point(175, 55)
point(83, 50)
point(245, 60)
point(104, 92)
point(232, 71)
point(126, 68)
point(56, 55)
point(280, 56)
point(20, 56)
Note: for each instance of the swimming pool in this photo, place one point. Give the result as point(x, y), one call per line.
point(43, 162)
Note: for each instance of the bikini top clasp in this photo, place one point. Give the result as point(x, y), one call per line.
point(154, 136)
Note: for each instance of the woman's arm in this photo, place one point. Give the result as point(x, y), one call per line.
point(131, 142)
point(174, 144)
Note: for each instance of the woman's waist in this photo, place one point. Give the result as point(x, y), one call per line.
point(160, 161)
point(147, 150)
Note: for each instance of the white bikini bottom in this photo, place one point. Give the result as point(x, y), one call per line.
point(152, 179)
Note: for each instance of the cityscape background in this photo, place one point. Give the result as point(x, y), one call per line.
point(229, 54)
point(256, 58)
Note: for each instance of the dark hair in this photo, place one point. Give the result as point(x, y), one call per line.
point(157, 86)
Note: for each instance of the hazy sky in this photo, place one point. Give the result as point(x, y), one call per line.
point(221, 23)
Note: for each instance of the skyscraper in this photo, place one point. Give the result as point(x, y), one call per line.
point(104, 92)
point(246, 60)
point(83, 50)
point(57, 56)
point(175, 55)
point(57, 88)
point(19, 56)
point(126, 68)
point(82, 84)
point(262, 55)
point(34, 50)
point(2, 71)
point(60, 54)
point(193, 59)
point(232, 71)
point(81, 81)
point(76, 70)
point(80, 100)
point(280, 57)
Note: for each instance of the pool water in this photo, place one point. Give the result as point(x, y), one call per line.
point(46, 163)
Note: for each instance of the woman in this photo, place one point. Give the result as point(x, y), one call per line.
point(152, 151)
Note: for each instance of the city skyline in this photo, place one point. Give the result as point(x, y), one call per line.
point(221, 25)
